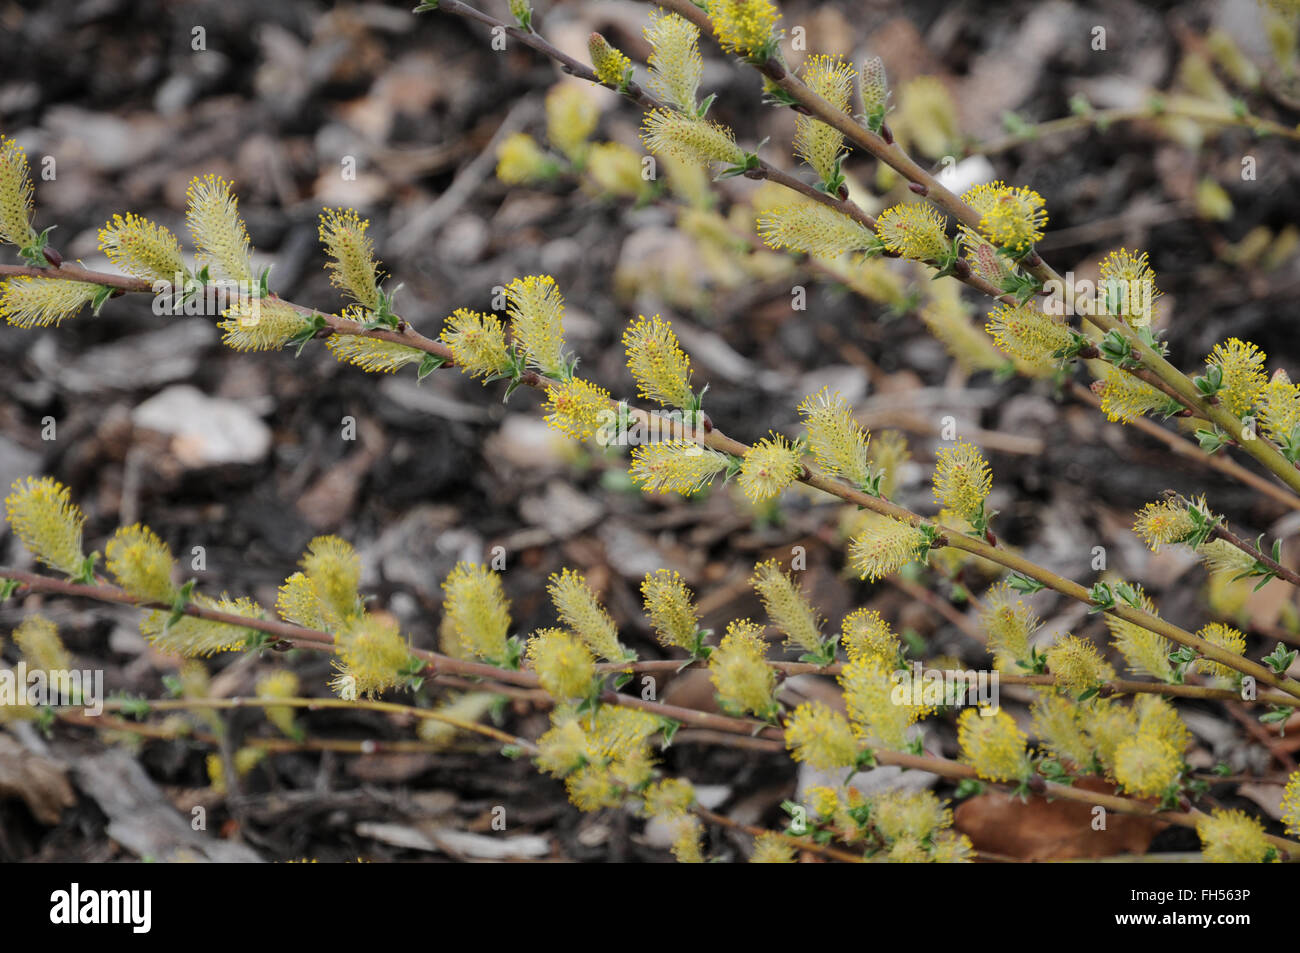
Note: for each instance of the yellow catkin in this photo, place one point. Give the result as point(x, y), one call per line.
point(579, 609)
point(139, 247)
point(676, 66)
point(536, 311)
point(913, 230)
point(821, 737)
point(993, 745)
point(27, 302)
point(1227, 638)
point(475, 602)
point(885, 547)
point(611, 66)
point(521, 161)
point(865, 634)
point(1128, 288)
point(1077, 665)
point(372, 354)
point(571, 118)
point(15, 195)
point(477, 342)
point(194, 637)
point(962, 479)
point(142, 563)
point(700, 141)
point(739, 671)
point(814, 229)
point(1009, 623)
point(1232, 837)
point(212, 215)
point(770, 466)
point(657, 362)
point(1028, 335)
point(675, 467)
point(1161, 523)
point(352, 266)
point(261, 324)
point(668, 604)
point(1242, 366)
point(580, 409)
point(744, 27)
point(564, 666)
point(41, 513)
point(787, 606)
point(839, 444)
point(770, 848)
point(1009, 217)
point(817, 143)
point(38, 639)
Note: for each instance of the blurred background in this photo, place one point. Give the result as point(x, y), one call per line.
point(308, 105)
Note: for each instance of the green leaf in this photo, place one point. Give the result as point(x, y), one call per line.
point(429, 364)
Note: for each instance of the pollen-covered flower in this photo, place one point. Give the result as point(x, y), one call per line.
point(372, 354)
point(275, 685)
point(1124, 397)
point(814, 229)
point(41, 514)
point(668, 798)
point(27, 302)
point(1009, 623)
point(352, 266)
point(701, 141)
point(948, 318)
point(739, 671)
point(1223, 558)
point(657, 361)
point(477, 342)
point(579, 609)
point(372, 654)
point(193, 637)
point(913, 230)
point(1279, 410)
point(142, 563)
point(837, 441)
point(744, 27)
point(141, 248)
point(787, 606)
point(1146, 652)
point(476, 604)
point(983, 257)
point(676, 466)
point(521, 161)
point(15, 195)
point(611, 67)
point(1227, 638)
point(571, 118)
point(1077, 665)
point(673, 617)
point(1146, 765)
point(962, 480)
point(887, 454)
point(578, 408)
point(325, 595)
point(881, 718)
point(1157, 716)
point(885, 547)
point(686, 847)
point(1061, 726)
point(993, 745)
point(817, 143)
point(928, 116)
point(1028, 335)
point(865, 634)
point(770, 848)
point(770, 466)
point(819, 736)
point(1128, 287)
point(1232, 837)
point(219, 235)
point(676, 66)
point(617, 170)
point(1242, 367)
point(917, 814)
point(536, 311)
point(1164, 522)
point(564, 667)
point(563, 748)
point(261, 324)
point(1290, 806)
point(38, 639)
point(1010, 217)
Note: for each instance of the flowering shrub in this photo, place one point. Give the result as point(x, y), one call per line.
point(1083, 720)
